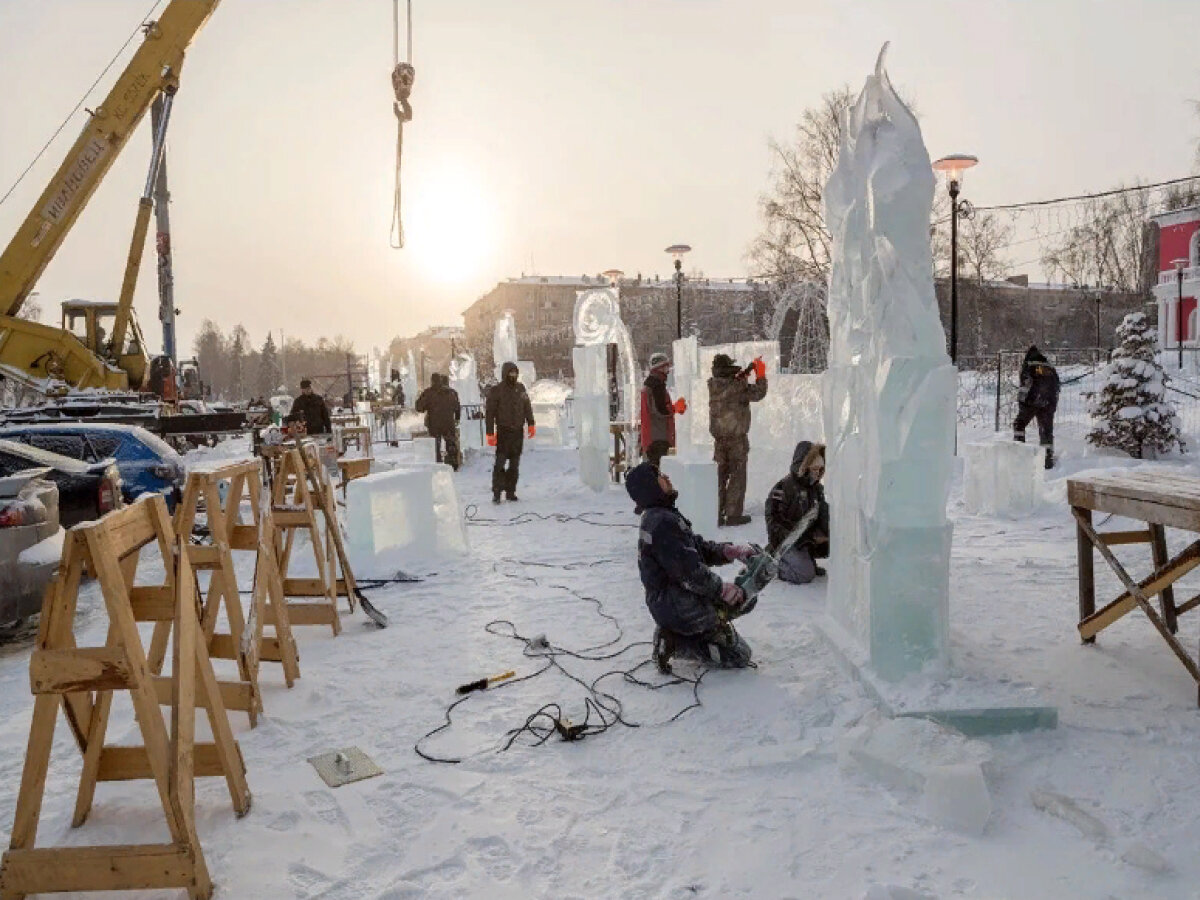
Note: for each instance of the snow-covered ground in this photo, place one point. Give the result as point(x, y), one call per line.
point(742, 796)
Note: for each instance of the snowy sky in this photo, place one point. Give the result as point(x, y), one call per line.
point(574, 137)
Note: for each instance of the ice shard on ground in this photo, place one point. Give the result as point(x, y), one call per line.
point(889, 393)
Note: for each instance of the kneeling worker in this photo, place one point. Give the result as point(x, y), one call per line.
point(789, 501)
point(690, 604)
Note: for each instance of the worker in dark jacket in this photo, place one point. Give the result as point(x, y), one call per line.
point(658, 412)
point(790, 500)
point(507, 414)
point(691, 605)
point(1037, 397)
point(729, 399)
point(442, 410)
point(310, 408)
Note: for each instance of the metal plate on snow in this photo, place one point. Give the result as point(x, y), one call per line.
point(338, 767)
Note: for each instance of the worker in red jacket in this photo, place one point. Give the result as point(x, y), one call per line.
point(658, 413)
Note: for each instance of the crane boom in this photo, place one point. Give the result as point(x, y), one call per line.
point(154, 67)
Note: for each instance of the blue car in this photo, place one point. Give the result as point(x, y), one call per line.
point(146, 462)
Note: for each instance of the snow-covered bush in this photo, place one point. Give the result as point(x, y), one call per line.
point(1131, 411)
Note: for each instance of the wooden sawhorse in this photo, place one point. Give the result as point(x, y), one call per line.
point(1160, 499)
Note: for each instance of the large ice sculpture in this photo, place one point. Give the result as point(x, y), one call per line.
point(408, 380)
point(889, 392)
point(464, 378)
point(598, 321)
point(504, 342)
point(591, 413)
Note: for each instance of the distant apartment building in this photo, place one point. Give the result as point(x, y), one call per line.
point(992, 316)
point(717, 310)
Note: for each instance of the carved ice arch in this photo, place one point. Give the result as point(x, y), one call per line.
point(598, 321)
point(808, 351)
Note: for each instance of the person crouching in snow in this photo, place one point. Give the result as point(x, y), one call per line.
point(690, 604)
point(788, 503)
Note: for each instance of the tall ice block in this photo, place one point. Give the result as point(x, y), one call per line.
point(888, 394)
point(696, 482)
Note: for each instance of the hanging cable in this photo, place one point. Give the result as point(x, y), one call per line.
point(82, 100)
point(403, 75)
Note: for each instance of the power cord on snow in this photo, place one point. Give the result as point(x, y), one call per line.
point(472, 516)
point(602, 710)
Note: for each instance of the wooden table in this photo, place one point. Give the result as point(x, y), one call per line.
point(1160, 499)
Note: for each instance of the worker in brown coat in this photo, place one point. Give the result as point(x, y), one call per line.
point(729, 397)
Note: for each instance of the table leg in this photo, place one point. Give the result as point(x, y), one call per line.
point(1087, 575)
point(1158, 543)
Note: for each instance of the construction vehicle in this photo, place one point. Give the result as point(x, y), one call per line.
point(99, 344)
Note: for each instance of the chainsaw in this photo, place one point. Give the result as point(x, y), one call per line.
point(763, 567)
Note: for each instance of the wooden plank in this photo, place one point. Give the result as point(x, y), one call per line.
point(243, 537)
point(132, 764)
point(1143, 510)
point(1160, 482)
point(1087, 575)
point(1190, 604)
point(1140, 597)
point(305, 587)
point(115, 868)
point(152, 603)
point(203, 556)
point(234, 694)
point(1153, 583)
point(308, 614)
point(294, 518)
point(33, 775)
point(128, 529)
point(1112, 538)
point(1166, 597)
point(80, 669)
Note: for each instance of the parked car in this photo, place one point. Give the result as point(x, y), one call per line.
point(146, 462)
point(28, 524)
point(86, 491)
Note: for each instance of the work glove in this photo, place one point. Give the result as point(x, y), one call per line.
point(680, 406)
point(532, 430)
point(731, 594)
point(738, 551)
point(760, 368)
point(491, 440)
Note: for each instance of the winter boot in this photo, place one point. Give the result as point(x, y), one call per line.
point(1049, 457)
point(819, 572)
point(664, 649)
point(737, 520)
point(724, 648)
point(495, 496)
point(1019, 437)
point(512, 497)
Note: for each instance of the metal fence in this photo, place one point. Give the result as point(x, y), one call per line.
point(988, 385)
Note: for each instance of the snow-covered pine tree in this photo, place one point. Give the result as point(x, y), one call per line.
point(1131, 411)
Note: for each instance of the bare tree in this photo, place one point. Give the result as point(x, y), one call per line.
point(1110, 247)
point(981, 242)
point(794, 244)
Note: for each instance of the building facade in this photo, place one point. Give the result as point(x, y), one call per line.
point(1178, 284)
point(992, 317)
point(543, 306)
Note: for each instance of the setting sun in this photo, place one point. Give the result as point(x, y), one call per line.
point(449, 225)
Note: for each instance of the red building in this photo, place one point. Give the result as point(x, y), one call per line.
point(1178, 257)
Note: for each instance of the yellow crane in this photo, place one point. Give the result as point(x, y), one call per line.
point(99, 344)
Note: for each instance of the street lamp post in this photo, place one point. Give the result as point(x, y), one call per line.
point(1097, 298)
point(954, 165)
point(677, 251)
point(1180, 265)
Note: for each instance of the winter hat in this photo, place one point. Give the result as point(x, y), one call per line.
point(723, 365)
point(659, 361)
point(643, 488)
